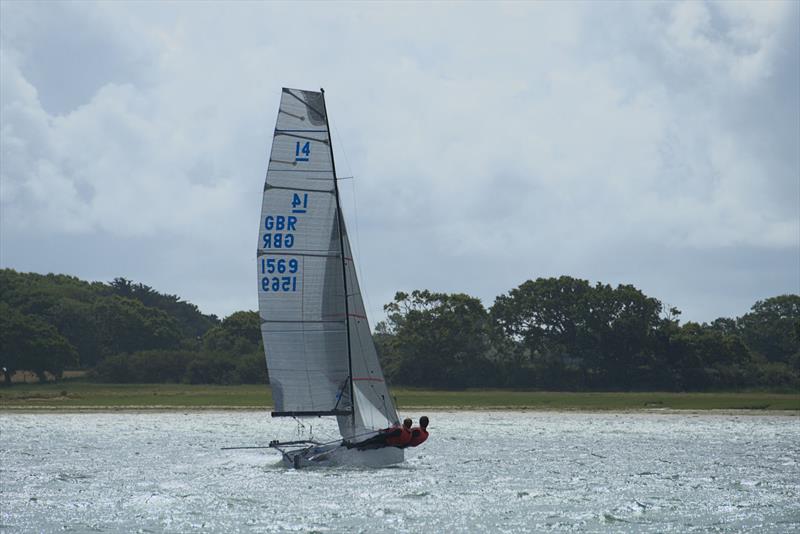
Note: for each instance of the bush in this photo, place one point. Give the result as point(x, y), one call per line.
point(212, 368)
point(115, 369)
point(778, 374)
point(160, 366)
point(252, 369)
point(149, 366)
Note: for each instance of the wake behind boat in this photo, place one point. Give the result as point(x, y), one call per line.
point(318, 344)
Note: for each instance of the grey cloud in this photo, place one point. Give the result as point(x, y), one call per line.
point(68, 51)
point(644, 143)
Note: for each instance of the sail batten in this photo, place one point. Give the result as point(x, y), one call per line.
point(311, 413)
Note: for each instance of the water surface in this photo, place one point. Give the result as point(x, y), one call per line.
point(479, 472)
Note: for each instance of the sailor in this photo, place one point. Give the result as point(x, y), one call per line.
point(419, 433)
point(394, 436)
point(401, 438)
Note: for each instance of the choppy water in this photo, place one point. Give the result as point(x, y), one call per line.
point(479, 472)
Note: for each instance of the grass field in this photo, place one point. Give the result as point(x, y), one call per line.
point(86, 395)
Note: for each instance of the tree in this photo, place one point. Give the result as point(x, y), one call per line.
point(252, 369)
point(191, 322)
point(12, 341)
point(29, 343)
point(97, 320)
point(437, 340)
point(623, 323)
point(772, 329)
point(212, 369)
point(126, 325)
point(704, 356)
point(569, 334)
point(239, 333)
point(545, 322)
point(75, 320)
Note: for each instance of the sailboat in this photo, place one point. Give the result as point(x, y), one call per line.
point(320, 353)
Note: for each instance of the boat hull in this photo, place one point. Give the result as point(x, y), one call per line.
point(333, 455)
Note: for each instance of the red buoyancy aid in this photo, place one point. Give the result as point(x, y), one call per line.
point(418, 435)
point(399, 440)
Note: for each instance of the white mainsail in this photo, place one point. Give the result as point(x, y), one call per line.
point(318, 345)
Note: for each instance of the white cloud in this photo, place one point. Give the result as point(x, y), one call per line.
point(491, 143)
point(741, 45)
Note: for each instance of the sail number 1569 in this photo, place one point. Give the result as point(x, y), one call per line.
point(279, 266)
point(271, 265)
point(279, 283)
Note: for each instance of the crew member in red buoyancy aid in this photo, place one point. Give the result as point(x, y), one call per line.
point(394, 436)
point(419, 433)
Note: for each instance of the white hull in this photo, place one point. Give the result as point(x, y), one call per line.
point(334, 455)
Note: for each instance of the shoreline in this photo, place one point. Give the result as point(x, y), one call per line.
point(88, 396)
point(33, 409)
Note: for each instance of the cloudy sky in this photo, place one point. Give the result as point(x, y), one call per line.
point(647, 143)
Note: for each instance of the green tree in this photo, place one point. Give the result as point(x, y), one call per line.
point(145, 367)
point(96, 320)
point(239, 333)
point(705, 357)
point(545, 323)
point(29, 343)
point(252, 368)
point(438, 340)
point(567, 334)
point(772, 329)
point(212, 369)
point(75, 320)
point(126, 325)
point(622, 325)
point(190, 320)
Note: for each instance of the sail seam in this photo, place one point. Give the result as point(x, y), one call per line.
point(277, 133)
point(297, 170)
point(268, 186)
point(270, 331)
point(264, 252)
point(320, 370)
point(301, 321)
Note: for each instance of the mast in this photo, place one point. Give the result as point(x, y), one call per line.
point(344, 266)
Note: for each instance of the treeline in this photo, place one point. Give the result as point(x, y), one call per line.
point(121, 332)
point(566, 334)
point(553, 334)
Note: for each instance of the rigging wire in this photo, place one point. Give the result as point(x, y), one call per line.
point(352, 179)
point(356, 245)
point(300, 429)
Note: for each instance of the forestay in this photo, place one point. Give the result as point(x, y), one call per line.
point(309, 297)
